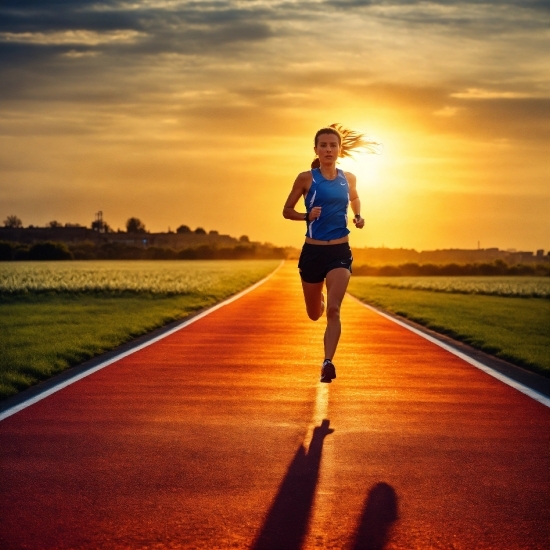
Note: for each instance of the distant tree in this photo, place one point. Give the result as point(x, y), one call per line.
point(135, 225)
point(13, 221)
point(213, 232)
point(55, 223)
point(244, 239)
point(200, 231)
point(99, 226)
point(183, 229)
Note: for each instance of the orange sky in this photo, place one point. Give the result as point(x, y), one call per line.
point(202, 113)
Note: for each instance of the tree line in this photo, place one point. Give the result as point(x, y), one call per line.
point(133, 225)
point(50, 250)
point(11, 251)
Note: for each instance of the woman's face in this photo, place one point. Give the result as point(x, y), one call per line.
point(328, 148)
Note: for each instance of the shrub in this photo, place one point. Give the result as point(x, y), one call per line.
point(21, 252)
point(49, 251)
point(85, 250)
point(6, 251)
point(389, 271)
point(158, 253)
point(119, 251)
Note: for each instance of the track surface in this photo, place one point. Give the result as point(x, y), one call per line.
point(220, 436)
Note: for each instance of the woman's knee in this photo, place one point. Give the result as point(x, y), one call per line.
point(314, 315)
point(333, 311)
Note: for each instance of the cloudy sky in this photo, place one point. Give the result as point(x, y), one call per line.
point(203, 112)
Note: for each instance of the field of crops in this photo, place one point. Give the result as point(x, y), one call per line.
point(528, 287)
point(505, 316)
point(57, 314)
point(159, 277)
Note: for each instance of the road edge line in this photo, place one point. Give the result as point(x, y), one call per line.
point(77, 375)
point(526, 390)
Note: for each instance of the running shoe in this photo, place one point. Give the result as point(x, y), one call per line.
point(328, 372)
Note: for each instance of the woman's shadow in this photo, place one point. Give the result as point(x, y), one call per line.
point(286, 523)
point(379, 514)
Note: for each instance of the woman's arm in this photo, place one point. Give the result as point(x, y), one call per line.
point(299, 189)
point(354, 200)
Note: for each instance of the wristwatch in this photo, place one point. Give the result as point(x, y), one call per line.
point(306, 216)
point(357, 216)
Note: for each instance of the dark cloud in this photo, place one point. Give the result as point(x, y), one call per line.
point(539, 4)
point(517, 120)
point(47, 20)
point(52, 15)
point(55, 16)
point(41, 39)
point(32, 32)
point(468, 18)
point(213, 34)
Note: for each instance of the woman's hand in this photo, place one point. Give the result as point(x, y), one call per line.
point(359, 222)
point(314, 213)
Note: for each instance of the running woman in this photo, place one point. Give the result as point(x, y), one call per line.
point(326, 254)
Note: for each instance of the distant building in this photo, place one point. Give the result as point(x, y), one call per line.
point(521, 257)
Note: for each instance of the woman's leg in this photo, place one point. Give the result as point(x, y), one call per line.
point(313, 296)
point(337, 284)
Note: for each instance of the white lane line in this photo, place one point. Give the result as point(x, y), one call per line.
point(319, 413)
point(488, 370)
point(323, 504)
point(46, 393)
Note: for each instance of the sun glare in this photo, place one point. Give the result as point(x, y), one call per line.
point(368, 168)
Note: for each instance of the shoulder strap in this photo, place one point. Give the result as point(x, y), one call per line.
point(313, 171)
point(312, 190)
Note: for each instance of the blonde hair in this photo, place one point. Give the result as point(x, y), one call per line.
point(350, 142)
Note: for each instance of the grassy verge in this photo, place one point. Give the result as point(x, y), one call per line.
point(515, 329)
point(44, 333)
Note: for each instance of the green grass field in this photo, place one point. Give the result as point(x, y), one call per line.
point(513, 328)
point(519, 287)
point(54, 315)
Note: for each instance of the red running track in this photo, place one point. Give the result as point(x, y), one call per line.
point(220, 436)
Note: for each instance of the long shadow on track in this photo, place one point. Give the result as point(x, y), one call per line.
point(287, 521)
point(288, 518)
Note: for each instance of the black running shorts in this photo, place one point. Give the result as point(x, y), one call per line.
point(316, 260)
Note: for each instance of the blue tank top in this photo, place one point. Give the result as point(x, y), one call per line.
point(333, 198)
